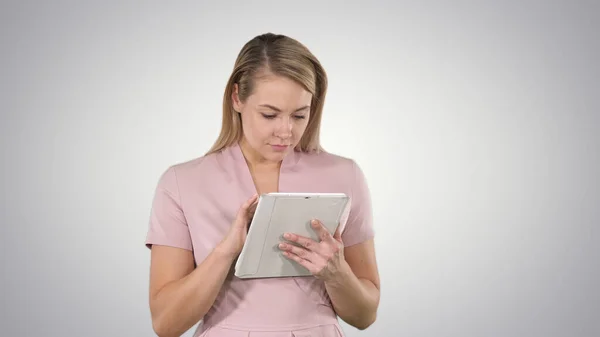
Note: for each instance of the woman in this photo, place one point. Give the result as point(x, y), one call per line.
point(269, 142)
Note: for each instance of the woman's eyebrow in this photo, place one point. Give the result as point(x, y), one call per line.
point(279, 110)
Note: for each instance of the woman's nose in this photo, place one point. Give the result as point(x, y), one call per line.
point(285, 127)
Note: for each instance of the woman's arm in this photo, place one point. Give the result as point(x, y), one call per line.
point(180, 295)
point(355, 292)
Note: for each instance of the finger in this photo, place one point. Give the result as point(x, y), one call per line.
point(242, 215)
point(301, 252)
point(338, 233)
point(250, 201)
point(321, 231)
point(252, 208)
point(311, 267)
point(248, 204)
point(303, 241)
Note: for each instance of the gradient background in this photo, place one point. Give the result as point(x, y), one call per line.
point(476, 123)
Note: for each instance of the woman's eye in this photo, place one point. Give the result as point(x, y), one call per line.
point(267, 116)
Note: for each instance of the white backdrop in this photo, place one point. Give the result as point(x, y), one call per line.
point(476, 125)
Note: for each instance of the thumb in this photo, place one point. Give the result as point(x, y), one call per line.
point(338, 233)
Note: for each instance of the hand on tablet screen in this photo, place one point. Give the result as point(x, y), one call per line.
point(324, 259)
point(233, 242)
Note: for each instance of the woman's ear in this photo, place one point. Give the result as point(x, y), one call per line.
point(235, 98)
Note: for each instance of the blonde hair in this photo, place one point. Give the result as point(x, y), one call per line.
point(278, 55)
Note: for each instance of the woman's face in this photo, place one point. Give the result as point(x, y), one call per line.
point(274, 117)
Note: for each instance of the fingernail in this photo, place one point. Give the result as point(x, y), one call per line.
point(287, 235)
point(315, 222)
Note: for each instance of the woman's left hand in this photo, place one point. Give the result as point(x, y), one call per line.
point(324, 259)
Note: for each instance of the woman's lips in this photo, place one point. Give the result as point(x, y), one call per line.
point(279, 147)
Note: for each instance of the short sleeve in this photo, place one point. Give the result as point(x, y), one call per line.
point(359, 226)
point(167, 225)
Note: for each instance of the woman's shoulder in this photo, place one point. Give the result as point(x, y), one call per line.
point(335, 166)
point(194, 168)
point(325, 159)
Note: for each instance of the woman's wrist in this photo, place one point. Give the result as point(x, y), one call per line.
point(224, 253)
point(341, 277)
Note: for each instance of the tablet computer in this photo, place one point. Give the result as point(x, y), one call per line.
point(276, 214)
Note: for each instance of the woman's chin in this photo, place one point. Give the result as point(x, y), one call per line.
point(276, 154)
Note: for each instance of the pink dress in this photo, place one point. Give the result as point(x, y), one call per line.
point(194, 206)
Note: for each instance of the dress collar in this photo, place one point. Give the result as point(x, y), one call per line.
point(288, 163)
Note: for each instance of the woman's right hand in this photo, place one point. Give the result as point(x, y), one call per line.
point(234, 241)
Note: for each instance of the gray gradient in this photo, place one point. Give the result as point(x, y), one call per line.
point(477, 125)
